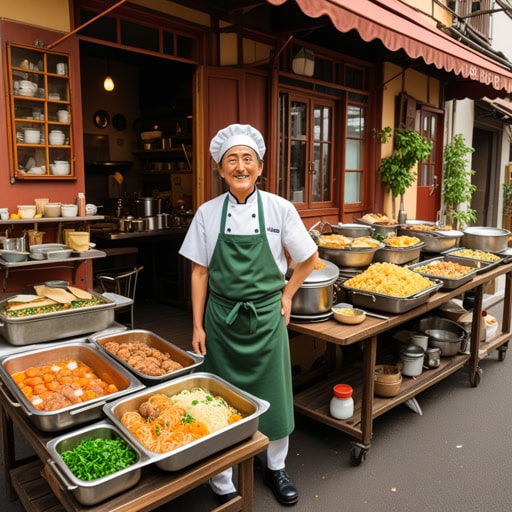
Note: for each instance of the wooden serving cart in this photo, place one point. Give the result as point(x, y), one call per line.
point(313, 400)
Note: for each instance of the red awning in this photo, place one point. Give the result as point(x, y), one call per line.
point(399, 27)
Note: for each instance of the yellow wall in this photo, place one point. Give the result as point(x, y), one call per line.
point(420, 87)
point(52, 14)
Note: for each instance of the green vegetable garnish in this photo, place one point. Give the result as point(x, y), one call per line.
point(95, 458)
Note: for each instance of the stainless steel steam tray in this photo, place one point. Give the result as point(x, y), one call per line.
point(387, 303)
point(481, 265)
point(448, 283)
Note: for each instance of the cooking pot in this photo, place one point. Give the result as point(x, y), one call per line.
point(352, 230)
point(316, 295)
point(126, 225)
point(485, 238)
point(146, 206)
point(138, 224)
point(163, 220)
point(444, 334)
point(150, 223)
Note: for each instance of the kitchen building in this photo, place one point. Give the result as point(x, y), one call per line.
point(318, 79)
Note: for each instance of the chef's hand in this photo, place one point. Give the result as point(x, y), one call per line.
point(286, 308)
point(199, 341)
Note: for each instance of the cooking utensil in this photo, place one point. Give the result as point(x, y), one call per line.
point(349, 257)
point(57, 294)
point(78, 292)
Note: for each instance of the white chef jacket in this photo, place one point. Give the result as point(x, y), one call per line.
point(284, 228)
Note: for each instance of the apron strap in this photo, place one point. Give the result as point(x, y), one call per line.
point(248, 306)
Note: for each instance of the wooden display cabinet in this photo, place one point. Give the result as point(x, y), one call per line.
point(39, 114)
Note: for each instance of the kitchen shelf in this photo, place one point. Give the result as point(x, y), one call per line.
point(73, 262)
point(51, 220)
point(39, 98)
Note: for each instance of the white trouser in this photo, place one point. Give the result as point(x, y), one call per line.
point(222, 483)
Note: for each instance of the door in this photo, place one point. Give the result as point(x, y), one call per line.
point(228, 96)
point(430, 172)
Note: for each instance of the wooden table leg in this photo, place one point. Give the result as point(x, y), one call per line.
point(8, 455)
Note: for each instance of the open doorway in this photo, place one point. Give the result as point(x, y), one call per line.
point(119, 165)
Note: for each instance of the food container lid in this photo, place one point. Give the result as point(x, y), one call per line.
point(326, 275)
point(412, 351)
point(486, 231)
point(342, 391)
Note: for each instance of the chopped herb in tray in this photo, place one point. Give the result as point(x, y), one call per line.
point(95, 458)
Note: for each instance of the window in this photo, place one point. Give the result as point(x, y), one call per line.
point(354, 155)
point(305, 174)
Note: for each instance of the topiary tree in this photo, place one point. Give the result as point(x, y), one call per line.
point(457, 189)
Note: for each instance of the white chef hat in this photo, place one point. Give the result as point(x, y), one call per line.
point(237, 135)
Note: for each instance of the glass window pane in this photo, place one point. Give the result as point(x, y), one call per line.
point(355, 121)
point(353, 189)
point(297, 170)
point(298, 120)
point(354, 156)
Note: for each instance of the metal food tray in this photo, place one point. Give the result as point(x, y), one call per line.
point(398, 255)
point(248, 405)
point(57, 324)
point(386, 303)
point(481, 265)
point(73, 415)
point(91, 492)
point(188, 360)
point(448, 283)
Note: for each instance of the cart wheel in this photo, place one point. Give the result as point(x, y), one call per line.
point(475, 381)
point(358, 453)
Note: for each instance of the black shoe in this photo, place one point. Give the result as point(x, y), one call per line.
point(282, 486)
point(224, 498)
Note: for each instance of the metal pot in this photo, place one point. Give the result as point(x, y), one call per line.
point(444, 334)
point(316, 295)
point(350, 257)
point(138, 224)
point(352, 230)
point(146, 206)
point(163, 220)
point(486, 238)
point(150, 223)
point(126, 225)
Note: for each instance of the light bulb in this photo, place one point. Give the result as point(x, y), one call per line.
point(108, 84)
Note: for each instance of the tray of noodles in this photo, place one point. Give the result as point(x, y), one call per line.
point(481, 260)
point(179, 422)
point(389, 288)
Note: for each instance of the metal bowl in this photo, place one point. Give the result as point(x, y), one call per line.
point(434, 241)
point(352, 230)
point(399, 255)
point(486, 238)
point(90, 492)
point(349, 257)
point(14, 256)
point(382, 229)
point(443, 334)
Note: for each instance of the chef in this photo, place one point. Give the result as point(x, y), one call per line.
point(239, 244)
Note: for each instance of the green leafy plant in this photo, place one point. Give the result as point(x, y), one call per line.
point(396, 170)
point(457, 189)
point(507, 197)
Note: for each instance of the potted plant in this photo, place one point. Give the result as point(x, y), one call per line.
point(457, 189)
point(396, 170)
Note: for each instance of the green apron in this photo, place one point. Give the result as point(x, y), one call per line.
point(246, 335)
